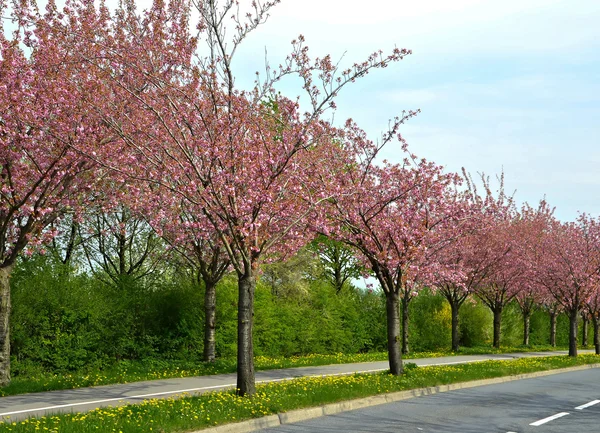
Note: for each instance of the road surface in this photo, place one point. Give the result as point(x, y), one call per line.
point(565, 403)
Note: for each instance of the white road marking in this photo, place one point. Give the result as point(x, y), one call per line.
point(106, 400)
point(229, 385)
point(591, 403)
point(550, 418)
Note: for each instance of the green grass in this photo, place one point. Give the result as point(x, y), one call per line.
point(28, 377)
point(193, 413)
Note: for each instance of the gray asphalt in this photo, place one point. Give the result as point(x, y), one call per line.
point(502, 408)
point(85, 399)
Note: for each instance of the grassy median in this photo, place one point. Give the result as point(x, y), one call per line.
point(31, 378)
point(194, 413)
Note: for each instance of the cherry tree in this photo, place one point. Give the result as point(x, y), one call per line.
point(505, 280)
point(569, 267)
point(499, 241)
point(42, 122)
point(201, 248)
point(463, 266)
point(585, 320)
point(554, 309)
point(247, 162)
point(592, 307)
point(390, 213)
point(533, 222)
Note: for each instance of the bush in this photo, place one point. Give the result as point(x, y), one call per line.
point(430, 322)
point(475, 324)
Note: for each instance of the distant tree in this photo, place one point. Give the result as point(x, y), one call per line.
point(201, 248)
point(292, 276)
point(339, 261)
point(592, 307)
point(500, 241)
point(569, 266)
point(120, 246)
point(390, 214)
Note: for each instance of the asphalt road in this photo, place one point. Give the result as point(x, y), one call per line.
point(566, 402)
point(84, 399)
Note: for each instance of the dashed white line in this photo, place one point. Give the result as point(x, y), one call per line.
point(584, 406)
point(550, 418)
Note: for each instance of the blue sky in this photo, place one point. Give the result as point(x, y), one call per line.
point(510, 85)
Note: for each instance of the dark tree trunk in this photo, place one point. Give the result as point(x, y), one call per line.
point(596, 326)
point(5, 325)
point(526, 327)
point(392, 305)
point(210, 312)
point(584, 330)
point(573, 332)
point(245, 349)
point(497, 326)
point(454, 307)
point(405, 320)
point(553, 328)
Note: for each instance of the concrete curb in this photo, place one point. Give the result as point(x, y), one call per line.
point(298, 415)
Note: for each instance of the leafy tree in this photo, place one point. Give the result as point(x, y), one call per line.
point(120, 245)
point(339, 261)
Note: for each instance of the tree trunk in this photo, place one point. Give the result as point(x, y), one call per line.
point(454, 307)
point(526, 327)
point(245, 349)
point(405, 319)
point(584, 330)
point(393, 333)
point(210, 312)
point(553, 328)
point(596, 325)
point(5, 325)
point(573, 332)
point(497, 326)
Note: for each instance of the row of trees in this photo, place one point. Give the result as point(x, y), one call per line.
point(139, 111)
point(78, 322)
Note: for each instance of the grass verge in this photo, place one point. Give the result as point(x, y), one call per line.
point(29, 377)
point(194, 413)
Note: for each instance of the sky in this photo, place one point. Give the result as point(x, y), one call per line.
point(508, 85)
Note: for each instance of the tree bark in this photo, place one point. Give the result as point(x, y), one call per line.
point(553, 328)
point(405, 320)
point(573, 332)
point(454, 307)
point(526, 327)
point(210, 312)
point(497, 326)
point(5, 324)
point(392, 305)
point(584, 330)
point(245, 350)
point(596, 325)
